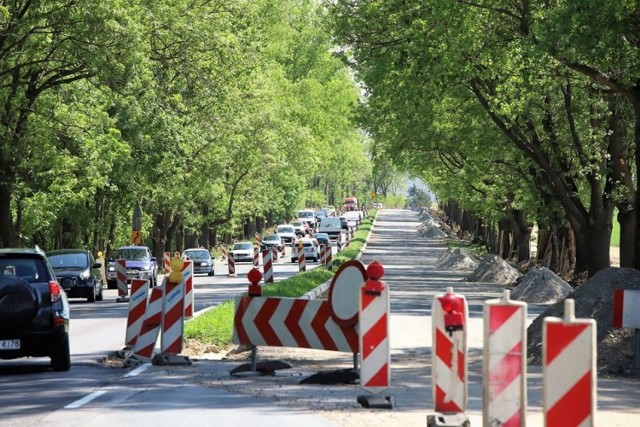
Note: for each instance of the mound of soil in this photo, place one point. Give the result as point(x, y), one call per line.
point(594, 299)
point(457, 259)
point(493, 269)
point(541, 286)
point(431, 229)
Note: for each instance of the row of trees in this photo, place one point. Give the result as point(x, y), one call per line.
point(518, 112)
point(216, 116)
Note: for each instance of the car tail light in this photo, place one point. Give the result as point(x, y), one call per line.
point(54, 290)
point(58, 320)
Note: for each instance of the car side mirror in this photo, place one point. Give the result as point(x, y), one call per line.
point(97, 265)
point(154, 259)
point(110, 259)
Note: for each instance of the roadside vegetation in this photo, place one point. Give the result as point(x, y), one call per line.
point(215, 326)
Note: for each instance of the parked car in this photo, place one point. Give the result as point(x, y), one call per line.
point(34, 310)
point(273, 241)
point(202, 261)
point(323, 239)
point(301, 228)
point(77, 272)
point(311, 250)
point(140, 264)
point(242, 252)
point(287, 232)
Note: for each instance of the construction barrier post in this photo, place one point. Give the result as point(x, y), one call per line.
point(148, 336)
point(256, 256)
point(374, 339)
point(121, 281)
point(189, 297)
point(231, 265)
point(302, 266)
point(137, 308)
point(267, 266)
point(569, 369)
point(274, 254)
point(504, 362)
point(167, 262)
point(329, 258)
point(626, 315)
point(223, 252)
point(323, 254)
point(339, 243)
point(449, 316)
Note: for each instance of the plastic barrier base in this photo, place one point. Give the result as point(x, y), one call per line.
point(341, 376)
point(448, 420)
point(262, 368)
point(376, 402)
point(170, 359)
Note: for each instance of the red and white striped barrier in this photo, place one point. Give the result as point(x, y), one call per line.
point(256, 256)
point(121, 280)
point(267, 266)
point(302, 266)
point(569, 370)
point(323, 254)
point(173, 318)
point(167, 262)
point(625, 308)
point(504, 362)
point(137, 308)
point(223, 252)
point(274, 254)
point(374, 332)
point(449, 357)
point(189, 297)
point(232, 265)
point(258, 239)
point(329, 258)
point(339, 244)
point(288, 322)
point(148, 336)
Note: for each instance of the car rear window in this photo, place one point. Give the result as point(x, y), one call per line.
point(30, 268)
point(285, 229)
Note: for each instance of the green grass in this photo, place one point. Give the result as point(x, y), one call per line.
point(216, 325)
point(615, 231)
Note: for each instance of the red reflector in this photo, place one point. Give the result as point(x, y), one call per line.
point(54, 290)
point(58, 320)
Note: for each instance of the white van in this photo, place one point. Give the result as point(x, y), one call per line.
point(308, 216)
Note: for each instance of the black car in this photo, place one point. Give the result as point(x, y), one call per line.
point(202, 261)
point(77, 272)
point(34, 311)
point(323, 239)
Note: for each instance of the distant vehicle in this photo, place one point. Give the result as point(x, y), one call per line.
point(77, 272)
point(139, 262)
point(323, 239)
point(311, 250)
point(344, 223)
point(34, 310)
point(273, 241)
point(287, 232)
point(242, 252)
point(202, 261)
point(332, 226)
point(353, 217)
point(300, 228)
point(350, 204)
point(319, 214)
point(308, 216)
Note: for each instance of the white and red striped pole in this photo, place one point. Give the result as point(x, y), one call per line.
point(449, 356)
point(256, 256)
point(258, 239)
point(223, 252)
point(274, 254)
point(148, 336)
point(329, 258)
point(189, 297)
point(302, 266)
point(232, 265)
point(167, 262)
point(375, 366)
point(323, 254)
point(504, 362)
point(267, 265)
point(569, 369)
point(121, 281)
point(173, 315)
point(137, 307)
point(339, 244)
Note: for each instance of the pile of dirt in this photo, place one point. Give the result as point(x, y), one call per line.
point(541, 286)
point(457, 259)
point(431, 229)
point(594, 299)
point(493, 269)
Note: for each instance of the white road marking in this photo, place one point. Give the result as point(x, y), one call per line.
point(88, 398)
point(138, 370)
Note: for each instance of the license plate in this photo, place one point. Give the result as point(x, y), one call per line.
point(9, 344)
point(203, 264)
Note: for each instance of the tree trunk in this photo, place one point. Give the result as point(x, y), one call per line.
point(8, 235)
point(522, 234)
point(627, 220)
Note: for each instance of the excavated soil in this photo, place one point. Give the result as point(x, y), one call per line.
point(594, 299)
point(541, 286)
point(457, 260)
point(493, 269)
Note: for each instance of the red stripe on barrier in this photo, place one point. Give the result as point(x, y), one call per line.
point(506, 371)
point(380, 379)
point(618, 306)
point(292, 322)
point(500, 314)
point(514, 421)
point(563, 334)
point(374, 336)
point(574, 407)
point(351, 335)
point(262, 322)
point(367, 299)
point(443, 348)
point(443, 406)
point(318, 324)
point(243, 304)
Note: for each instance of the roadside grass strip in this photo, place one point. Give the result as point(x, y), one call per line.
point(215, 327)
